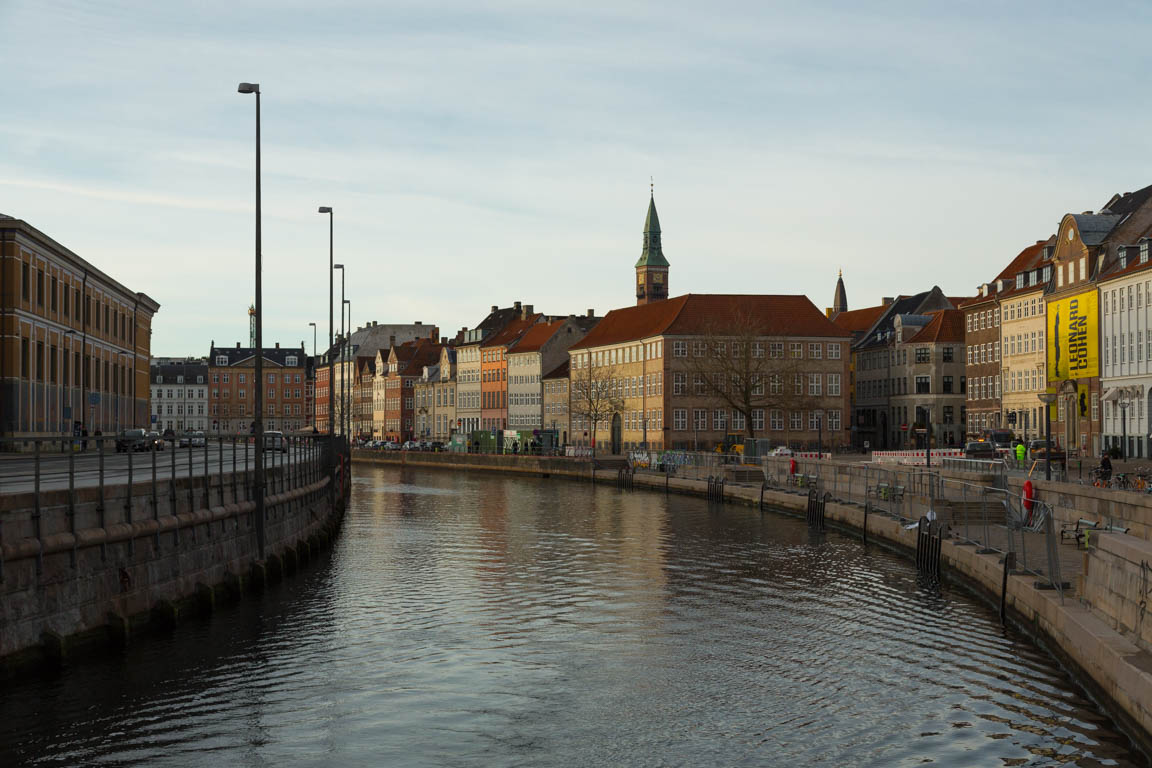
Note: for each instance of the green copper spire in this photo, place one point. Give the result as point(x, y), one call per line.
point(653, 254)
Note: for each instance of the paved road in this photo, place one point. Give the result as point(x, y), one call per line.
point(18, 474)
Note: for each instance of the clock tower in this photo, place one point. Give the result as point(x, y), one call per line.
point(652, 268)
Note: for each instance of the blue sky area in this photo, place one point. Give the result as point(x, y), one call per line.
point(483, 152)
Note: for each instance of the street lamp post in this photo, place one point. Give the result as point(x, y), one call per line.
point(331, 328)
point(332, 382)
point(258, 423)
point(1048, 398)
point(348, 350)
point(62, 382)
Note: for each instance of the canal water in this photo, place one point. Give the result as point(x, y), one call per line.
point(471, 620)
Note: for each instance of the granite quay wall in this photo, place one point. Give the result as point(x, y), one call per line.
point(539, 466)
point(1095, 628)
point(88, 567)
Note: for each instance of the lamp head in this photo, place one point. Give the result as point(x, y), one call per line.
point(312, 324)
point(337, 266)
point(325, 209)
point(248, 88)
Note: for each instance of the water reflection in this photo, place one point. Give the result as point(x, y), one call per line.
point(473, 620)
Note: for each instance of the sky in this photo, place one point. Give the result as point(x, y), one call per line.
point(491, 151)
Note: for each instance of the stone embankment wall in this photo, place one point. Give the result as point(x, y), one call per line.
point(539, 466)
point(84, 568)
point(1108, 651)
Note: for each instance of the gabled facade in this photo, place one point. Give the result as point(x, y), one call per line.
point(469, 404)
point(494, 369)
point(406, 363)
point(928, 373)
point(1022, 313)
point(233, 388)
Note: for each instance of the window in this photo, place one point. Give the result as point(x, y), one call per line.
point(798, 384)
point(699, 349)
point(923, 385)
point(221, 360)
point(796, 420)
point(796, 350)
point(947, 414)
point(947, 354)
point(833, 420)
point(758, 419)
point(814, 387)
point(834, 384)
point(777, 420)
point(680, 349)
point(814, 420)
point(815, 350)
point(291, 361)
point(40, 287)
point(680, 419)
point(720, 420)
point(699, 419)
point(776, 350)
point(923, 355)
point(776, 384)
point(833, 351)
point(947, 385)
point(757, 349)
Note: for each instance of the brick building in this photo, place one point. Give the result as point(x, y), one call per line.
point(74, 343)
point(232, 400)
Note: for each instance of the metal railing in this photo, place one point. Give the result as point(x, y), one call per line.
point(36, 465)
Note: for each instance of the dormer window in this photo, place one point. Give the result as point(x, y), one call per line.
point(1020, 280)
point(1122, 256)
point(1143, 251)
point(1046, 273)
point(290, 361)
point(221, 359)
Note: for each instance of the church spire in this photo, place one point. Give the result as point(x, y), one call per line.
point(840, 299)
point(652, 268)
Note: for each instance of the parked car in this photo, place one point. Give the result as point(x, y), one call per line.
point(980, 450)
point(410, 445)
point(1037, 450)
point(274, 441)
point(388, 445)
point(156, 442)
point(198, 440)
point(133, 440)
point(782, 450)
point(437, 446)
point(185, 441)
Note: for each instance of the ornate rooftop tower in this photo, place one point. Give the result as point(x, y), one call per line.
point(840, 299)
point(652, 268)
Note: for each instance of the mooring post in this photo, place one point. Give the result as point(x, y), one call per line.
point(1009, 564)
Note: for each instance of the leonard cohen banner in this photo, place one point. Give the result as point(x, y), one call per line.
point(1073, 337)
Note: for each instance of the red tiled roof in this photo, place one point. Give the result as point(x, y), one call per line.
point(701, 313)
point(537, 336)
point(859, 319)
point(511, 332)
point(946, 325)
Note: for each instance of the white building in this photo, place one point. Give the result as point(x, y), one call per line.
point(179, 394)
point(1126, 349)
point(540, 350)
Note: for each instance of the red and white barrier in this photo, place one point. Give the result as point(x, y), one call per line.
point(916, 458)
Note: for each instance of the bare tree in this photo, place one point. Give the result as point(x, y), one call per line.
point(595, 396)
point(749, 366)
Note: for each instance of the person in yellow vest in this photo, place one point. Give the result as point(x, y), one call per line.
point(1020, 454)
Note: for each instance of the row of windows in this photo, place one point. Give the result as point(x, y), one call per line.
point(979, 321)
point(289, 378)
point(116, 319)
point(870, 361)
point(1018, 310)
point(983, 387)
point(984, 353)
point(902, 386)
point(290, 361)
point(109, 377)
point(158, 393)
point(1136, 298)
point(1119, 353)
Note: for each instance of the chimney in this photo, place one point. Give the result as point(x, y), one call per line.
point(886, 300)
point(417, 323)
point(494, 307)
point(443, 341)
point(516, 306)
point(391, 341)
point(591, 312)
point(237, 345)
point(528, 310)
point(277, 345)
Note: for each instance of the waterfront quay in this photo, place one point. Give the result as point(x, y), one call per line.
point(496, 619)
point(96, 548)
point(1079, 596)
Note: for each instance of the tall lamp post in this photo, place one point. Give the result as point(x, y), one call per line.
point(313, 339)
point(1047, 398)
point(258, 422)
point(332, 382)
point(331, 328)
